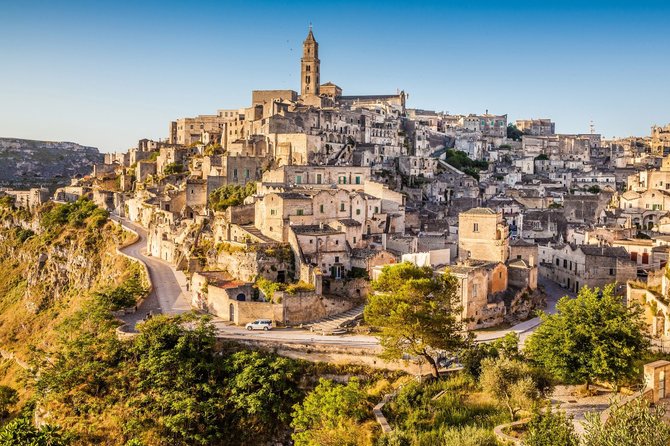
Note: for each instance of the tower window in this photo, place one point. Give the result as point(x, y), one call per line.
point(308, 68)
point(307, 79)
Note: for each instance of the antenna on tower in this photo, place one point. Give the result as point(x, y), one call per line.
point(592, 127)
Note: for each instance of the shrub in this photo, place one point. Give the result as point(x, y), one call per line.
point(550, 428)
point(230, 195)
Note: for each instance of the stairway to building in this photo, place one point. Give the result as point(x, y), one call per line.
point(253, 230)
point(337, 323)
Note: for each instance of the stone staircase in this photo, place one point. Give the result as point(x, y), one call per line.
point(337, 323)
point(253, 230)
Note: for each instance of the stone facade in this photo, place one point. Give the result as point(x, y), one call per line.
point(482, 235)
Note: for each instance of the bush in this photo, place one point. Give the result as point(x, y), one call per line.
point(300, 287)
point(230, 195)
point(632, 424)
point(173, 168)
point(8, 397)
point(550, 428)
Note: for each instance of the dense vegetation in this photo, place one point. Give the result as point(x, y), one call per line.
point(462, 162)
point(230, 195)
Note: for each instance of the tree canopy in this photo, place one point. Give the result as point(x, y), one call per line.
point(592, 337)
point(331, 415)
point(230, 195)
point(417, 313)
point(513, 383)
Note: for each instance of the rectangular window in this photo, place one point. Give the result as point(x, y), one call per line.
point(298, 179)
point(337, 259)
point(565, 263)
point(246, 173)
point(273, 211)
point(299, 212)
point(354, 240)
point(358, 212)
point(234, 173)
point(611, 271)
point(342, 206)
point(558, 262)
point(376, 209)
point(321, 208)
point(358, 180)
point(318, 178)
point(475, 227)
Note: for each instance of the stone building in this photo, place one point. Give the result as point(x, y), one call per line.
point(536, 127)
point(482, 235)
point(478, 282)
point(575, 266)
point(660, 140)
point(28, 199)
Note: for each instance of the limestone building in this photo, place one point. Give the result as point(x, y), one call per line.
point(482, 235)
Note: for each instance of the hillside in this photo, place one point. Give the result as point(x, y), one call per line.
point(26, 163)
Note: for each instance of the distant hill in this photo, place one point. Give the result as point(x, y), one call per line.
point(25, 163)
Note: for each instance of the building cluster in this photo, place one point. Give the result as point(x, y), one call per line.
point(286, 209)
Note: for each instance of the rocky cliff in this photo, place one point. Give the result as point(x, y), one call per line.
point(25, 163)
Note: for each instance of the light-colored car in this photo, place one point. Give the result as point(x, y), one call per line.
point(260, 324)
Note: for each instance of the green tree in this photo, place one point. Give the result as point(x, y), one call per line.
point(230, 195)
point(8, 397)
point(417, 313)
point(21, 432)
point(474, 353)
point(513, 132)
point(632, 424)
point(173, 168)
point(550, 428)
point(592, 337)
point(514, 384)
point(331, 415)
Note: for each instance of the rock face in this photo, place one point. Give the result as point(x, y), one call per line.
point(27, 163)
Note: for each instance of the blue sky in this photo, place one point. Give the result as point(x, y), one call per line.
point(109, 73)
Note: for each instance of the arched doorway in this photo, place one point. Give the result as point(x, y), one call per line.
point(232, 312)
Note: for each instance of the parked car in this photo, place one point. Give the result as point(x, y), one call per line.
point(260, 324)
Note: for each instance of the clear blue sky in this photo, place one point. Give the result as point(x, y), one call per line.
point(107, 73)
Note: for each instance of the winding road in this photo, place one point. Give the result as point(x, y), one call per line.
point(170, 296)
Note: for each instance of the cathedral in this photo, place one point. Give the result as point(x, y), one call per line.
point(329, 94)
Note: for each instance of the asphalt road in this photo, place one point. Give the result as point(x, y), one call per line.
point(171, 297)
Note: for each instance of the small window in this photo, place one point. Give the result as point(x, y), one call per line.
point(475, 227)
point(358, 212)
point(300, 212)
point(321, 208)
point(337, 259)
point(354, 240)
point(273, 211)
point(298, 179)
point(342, 207)
point(611, 271)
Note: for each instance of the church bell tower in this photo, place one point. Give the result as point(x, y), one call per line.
point(309, 66)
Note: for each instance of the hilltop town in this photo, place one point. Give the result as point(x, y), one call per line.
point(287, 209)
point(328, 269)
